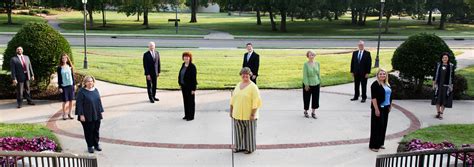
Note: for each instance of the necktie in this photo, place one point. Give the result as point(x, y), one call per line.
point(360, 55)
point(23, 64)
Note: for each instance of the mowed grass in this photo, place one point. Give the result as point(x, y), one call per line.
point(217, 68)
point(18, 21)
point(456, 133)
point(469, 74)
point(27, 131)
point(245, 24)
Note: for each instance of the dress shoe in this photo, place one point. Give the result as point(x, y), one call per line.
point(31, 103)
point(362, 101)
point(97, 148)
point(237, 151)
point(354, 99)
point(185, 118)
point(90, 150)
point(189, 119)
point(152, 101)
point(156, 99)
point(18, 106)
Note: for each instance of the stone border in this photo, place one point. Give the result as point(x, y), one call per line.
point(414, 125)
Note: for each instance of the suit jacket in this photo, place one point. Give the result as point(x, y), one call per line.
point(253, 62)
point(151, 66)
point(190, 80)
point(60, 77)
point(17, 69)
point(364, 65)
point(378, 92)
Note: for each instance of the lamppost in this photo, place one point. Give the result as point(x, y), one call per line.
point(176, 19)
point(377, 60)
point(85, 28)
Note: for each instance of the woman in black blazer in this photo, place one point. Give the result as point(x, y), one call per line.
point(187, 81)
point(381, 105)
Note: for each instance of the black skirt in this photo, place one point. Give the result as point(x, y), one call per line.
point(68, 93)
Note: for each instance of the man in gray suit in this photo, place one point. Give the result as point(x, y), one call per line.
point(22, 73)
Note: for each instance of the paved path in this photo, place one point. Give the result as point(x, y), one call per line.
point(54, 22)
point(465, 60)
point(137, 133)
point(124, 41)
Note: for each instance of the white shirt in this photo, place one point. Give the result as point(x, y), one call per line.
point(21, 59)
point(359, 56)
point(152, 52)
point(248, 55)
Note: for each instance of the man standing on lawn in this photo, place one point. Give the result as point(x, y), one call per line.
point(22, 73)
point(152, 68)
point(361, 65)
point(252, 61)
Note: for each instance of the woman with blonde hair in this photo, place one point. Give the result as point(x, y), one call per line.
point(65, 73)
point(311, 84)
point(381, 105)
point(89, 111)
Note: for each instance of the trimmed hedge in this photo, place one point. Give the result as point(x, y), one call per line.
point(403, 89)
point(416, 57)
point(43, 45)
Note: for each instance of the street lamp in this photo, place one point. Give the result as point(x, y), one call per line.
point(85, 27)
point(377, 60)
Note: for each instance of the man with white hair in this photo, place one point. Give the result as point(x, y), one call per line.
point(152, 68)
point(22, 74)
point(361, 65)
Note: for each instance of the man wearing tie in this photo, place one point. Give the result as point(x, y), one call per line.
point(152, 68)
point(360, 68)
point(22, 73)
point(252, 61)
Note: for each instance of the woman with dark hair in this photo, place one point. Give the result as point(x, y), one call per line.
point(381, 104)
point(188, 82)
point(443, 85)
point(65, 72)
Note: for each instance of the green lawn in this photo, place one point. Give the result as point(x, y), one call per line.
point(246, 25)
point(456, 133)
point(469, 74)
point(18, 21)
point(27, 131)
point(279, 68)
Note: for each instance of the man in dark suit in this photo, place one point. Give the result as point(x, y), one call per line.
point(22, 73)
point(152, 68)
point(252, 61)
point(361, 65)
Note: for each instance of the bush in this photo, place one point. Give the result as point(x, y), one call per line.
point(460, 86)
point(417, 56)
point(44, 46)
point(7, 89)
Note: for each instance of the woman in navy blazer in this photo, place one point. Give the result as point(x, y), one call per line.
point(65, 72)
point(188, 83)
point(381, 105)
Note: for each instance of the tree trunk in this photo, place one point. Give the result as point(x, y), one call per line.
point(193, 11)
point(443, 20)
point(354, 16)
point(272, 20)
point(259, 20)
point(103, 15)
point(430, 15)
point(386, 22)
point(91, 17)
point(283, 21)
point(361, 17)
point(336, 13)
point(25, 3)
point(365, 15)
point(9, 12)
point(145, 18)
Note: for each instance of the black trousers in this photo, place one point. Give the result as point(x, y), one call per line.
point(360, 81)
point(91, 132)
point(189, 103)
point(378, 128)
point(23, 90)
point(313, 91)
point(151, 87)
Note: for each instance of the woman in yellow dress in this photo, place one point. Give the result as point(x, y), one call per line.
point(244, 106)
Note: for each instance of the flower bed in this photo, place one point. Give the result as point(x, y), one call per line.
point(419, 145)
point(36, 144)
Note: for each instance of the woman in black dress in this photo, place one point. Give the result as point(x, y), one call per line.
point(443, 85)
point(188, 82)
point(381, 105)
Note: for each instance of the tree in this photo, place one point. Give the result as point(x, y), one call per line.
point(448, 7)
point(393, 7)
point(193, 4)
point(8, 5)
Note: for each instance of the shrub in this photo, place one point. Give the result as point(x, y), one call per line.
point(417, 56)
point(460, 86)
point(7, 89)
point(43, 45)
